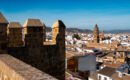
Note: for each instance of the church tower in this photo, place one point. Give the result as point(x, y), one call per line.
point(102, 35)
point(15, 37)
point(3, 34)
point(96, 34)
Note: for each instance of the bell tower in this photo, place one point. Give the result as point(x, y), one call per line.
point(96, 34)
point(102, 35)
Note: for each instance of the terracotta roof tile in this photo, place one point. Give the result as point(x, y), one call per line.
point(108, 71)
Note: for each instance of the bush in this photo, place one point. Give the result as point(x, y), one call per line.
point(76, 36)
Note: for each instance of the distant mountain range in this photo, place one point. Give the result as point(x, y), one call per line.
point(74, 30)
point(117, 31)
point(77, 30)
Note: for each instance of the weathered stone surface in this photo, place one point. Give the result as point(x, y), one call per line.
point(48, 57)
point(55, 29)
point(3, 34)
point(3, 19)
point(33, 22)
point(14, 69)
point(15, 36)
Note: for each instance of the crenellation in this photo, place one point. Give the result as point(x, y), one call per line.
point(48, 57)
point(15, 35)
point(3, 34)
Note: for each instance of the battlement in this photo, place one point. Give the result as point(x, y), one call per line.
point(28, 44)
point(14, 69)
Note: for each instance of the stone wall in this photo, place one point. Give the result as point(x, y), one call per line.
point(14, 69)
point(15, 35)
point(48, 57)
point(3, 37)
point(3, 33)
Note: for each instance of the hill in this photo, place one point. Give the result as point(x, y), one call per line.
point(74, 30)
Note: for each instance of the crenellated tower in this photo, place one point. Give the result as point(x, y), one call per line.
point(44, 32)
point(60, 42)
point(15, 36)
point(34, 34)
point(55, 30)
point(34, 42)
point(102, 35)
point(49, 58)
point(3, 34)
point(96, 34)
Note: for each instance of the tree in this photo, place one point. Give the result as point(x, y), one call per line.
point(76, 36)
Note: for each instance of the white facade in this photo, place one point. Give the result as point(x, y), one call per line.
point(102, 77)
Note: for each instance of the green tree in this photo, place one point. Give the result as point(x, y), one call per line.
point(76, 36)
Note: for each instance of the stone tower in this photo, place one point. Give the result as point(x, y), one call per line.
point(34, 34)
point(96, 34)
point(3, 33)
point(60, 42)
point(24, 30)
point(102, 35)
point(15, 37)
point(49, 58)
point(44, 32)
point(34, 41)
point(55, 30)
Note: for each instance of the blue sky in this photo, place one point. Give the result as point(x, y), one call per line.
point(108, 14)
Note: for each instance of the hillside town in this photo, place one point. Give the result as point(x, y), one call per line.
point(97, 56)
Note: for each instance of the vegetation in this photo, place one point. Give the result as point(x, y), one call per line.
point(76, 36)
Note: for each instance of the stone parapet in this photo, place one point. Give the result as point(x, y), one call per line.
point(14, 69)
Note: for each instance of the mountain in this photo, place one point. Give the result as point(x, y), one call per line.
point(48, 29)
point(117, 31)
point(77, 30)
point(74, 30)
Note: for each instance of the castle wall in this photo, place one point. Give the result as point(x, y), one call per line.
point(49, 58)
point(14, 69)
point(46, 60)
point(15, 37)
point(54, 33)
point(3, 37)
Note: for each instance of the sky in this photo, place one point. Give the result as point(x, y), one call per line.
point(108, 14)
